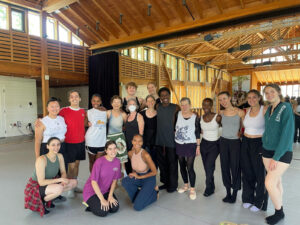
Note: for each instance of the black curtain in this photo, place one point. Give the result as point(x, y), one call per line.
point(104, 76)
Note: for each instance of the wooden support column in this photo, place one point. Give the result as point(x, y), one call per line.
point(44, 69)
point(254, 81)
point(230, 84)
point(158, 62)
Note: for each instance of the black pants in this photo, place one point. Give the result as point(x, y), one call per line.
point(168, 166)
point(230, 151)
point(95, 205)
point(152, 151)
point(253, 172)
point(209, 152)
point(297, 128)
point(187, 169)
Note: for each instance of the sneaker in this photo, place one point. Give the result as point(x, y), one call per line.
point(71, 194)
point(246, 205)
point(182, 190)
point(77, 190)
point(254, 209)
point(60, 199)
point(193, 195)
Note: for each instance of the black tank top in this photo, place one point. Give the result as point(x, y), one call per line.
point(149, 129)
point(125, 104)
point(131, 129)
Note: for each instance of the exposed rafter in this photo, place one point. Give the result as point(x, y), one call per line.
point(160, 12)
point(52, 5)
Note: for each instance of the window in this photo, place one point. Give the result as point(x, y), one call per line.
point(146, 57)
point(50, 26)
point(76, 40)
point(140, 53)
point(34, 24)
point(133, 53)
point(63, 34)
point(3, 17)
point(17, 20)
point(125, 52)
point(152, 56)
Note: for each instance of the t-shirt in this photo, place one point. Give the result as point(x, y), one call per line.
point(74, 119)
point(104, 173)
point(96, 134)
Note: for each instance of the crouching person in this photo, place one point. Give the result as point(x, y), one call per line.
point(141, 183)
point(98, 191)
point(42, 187)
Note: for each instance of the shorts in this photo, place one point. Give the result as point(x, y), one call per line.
point(94, 150)
point(75, 151)
point(42, 190)
point(286, 158)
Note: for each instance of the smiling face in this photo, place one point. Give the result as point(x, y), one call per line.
point(272, 95)
point(131, 90)
point(165, 97)
point(96, 102)
point(225, 100)
point(74, 99)
point(207, 106)
point(53, 108)
point(54, 146)
point(150, 102)
point(137, 142)
point(111, 151)
point(116, 104)
point(253, 99)
point(151, 89)
point(185, 106)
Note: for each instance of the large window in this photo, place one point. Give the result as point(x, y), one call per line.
point(3, 17)
point(50, 28)
point(76, 40)
point(34, 24)
point(63, 34)
point(140, 53)
point(146, 54)
point(17, 20)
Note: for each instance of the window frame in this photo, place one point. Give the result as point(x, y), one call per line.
point(40, 25)
point(23, 20)
point(7, 16)
point(69, 33)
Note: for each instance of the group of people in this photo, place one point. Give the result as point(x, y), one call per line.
point(137, 137)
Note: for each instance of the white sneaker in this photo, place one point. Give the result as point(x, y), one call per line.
point(254, 209)
point(193, 195)
point(182, 190)
point(71, 194)
point(246, 205)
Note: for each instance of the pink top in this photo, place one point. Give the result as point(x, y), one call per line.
point(138, 164)
point(104, 173)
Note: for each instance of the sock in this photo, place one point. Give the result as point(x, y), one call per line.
point(233, 196)
point(279, 214)
point(228, 195)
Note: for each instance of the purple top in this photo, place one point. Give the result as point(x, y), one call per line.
point(104, 172)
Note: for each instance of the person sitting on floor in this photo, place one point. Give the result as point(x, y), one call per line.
point(98, 191)
point(42, 187)
point(141, 183)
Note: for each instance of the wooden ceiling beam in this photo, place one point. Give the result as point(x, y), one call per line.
point(239, 66)
point(85, 16)
point(199, 10)
point(179, 10)
point(52, 5)
point(220, 6)
point(82, 26)
point(242, 4)
point(122, 27)
point(144, 17)
point(160, 12)
point(81, 34)
point(24, 3)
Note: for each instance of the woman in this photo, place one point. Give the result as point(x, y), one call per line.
point(187, 138)
point(296, 108)
point(51, 125)
point(131, 89)
point(134, 125)
point(150, 120)
point(75, 146)
point(95, 137)
point(98, 191)
point(116, 120)
point(141, 183)
point(152, 90)
point(42, 186)
point(209, 147)
point(230, 146)
point(277, 146)
point(254, 195)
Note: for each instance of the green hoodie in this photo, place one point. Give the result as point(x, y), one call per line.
point(279, 130)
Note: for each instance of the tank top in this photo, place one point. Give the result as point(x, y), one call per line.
point(210, 130)
point(115, 124)
point(54, 128)
point(51, 169)
point(230, 126)
point(185, 129)
point(131, 129)
point(165, 125)
point(149, 129)
point(255, 125)
point(125, 104)
point(138, 164)
point(96, 134)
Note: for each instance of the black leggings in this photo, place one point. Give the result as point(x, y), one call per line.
point(297, 127)
point(95, 205)
point(187, 169)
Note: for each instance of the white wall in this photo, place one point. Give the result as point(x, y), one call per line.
point(15, 95)
point(61, 93)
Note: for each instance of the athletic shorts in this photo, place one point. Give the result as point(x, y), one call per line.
point(75, 151)
point(286, 158)
point(94, 150)
point(42, 190)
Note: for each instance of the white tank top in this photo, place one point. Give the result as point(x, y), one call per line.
point(210, 130)
point(255, 125)
point(54, 128)
point(96, 134)
point(185, 129)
